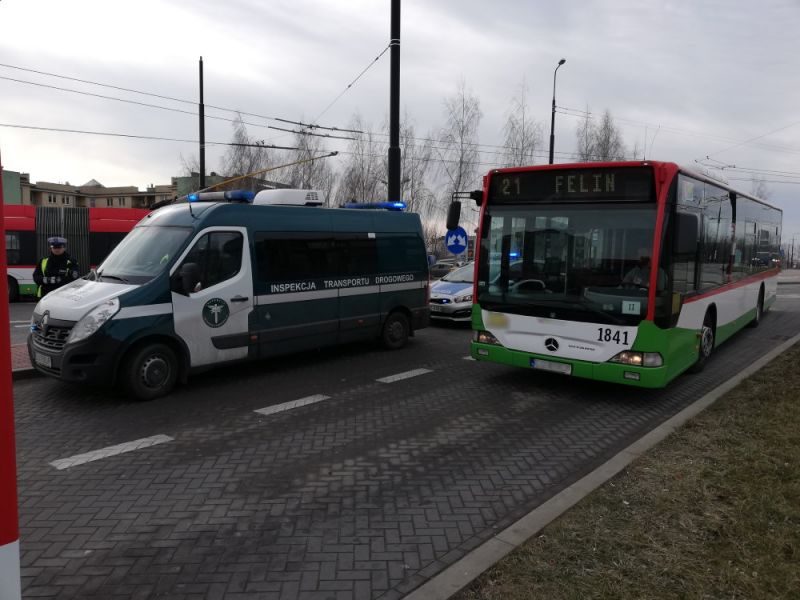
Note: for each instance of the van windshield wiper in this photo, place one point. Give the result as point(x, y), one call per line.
point(118, 278)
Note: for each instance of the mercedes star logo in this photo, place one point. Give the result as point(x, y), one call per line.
point(551, 344)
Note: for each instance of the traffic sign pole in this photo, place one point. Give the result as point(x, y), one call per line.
point(10, 588)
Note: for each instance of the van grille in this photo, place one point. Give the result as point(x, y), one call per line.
point(53, 338)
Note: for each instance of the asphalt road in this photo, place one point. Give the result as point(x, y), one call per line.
point(365, 472)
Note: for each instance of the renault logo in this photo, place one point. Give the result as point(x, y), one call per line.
point(551, 344)
point(45, 321)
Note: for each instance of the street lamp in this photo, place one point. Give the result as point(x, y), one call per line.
point(553, 118)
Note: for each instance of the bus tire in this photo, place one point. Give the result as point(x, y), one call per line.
point(707, 340)
point(150, 372)
point(395, 332)
point(13, 289)
point(759, 309)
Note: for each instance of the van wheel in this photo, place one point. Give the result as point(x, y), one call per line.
point(395, 331)
point(759, 310)
point(706, 344)
point(13, 290)
point(150, 372)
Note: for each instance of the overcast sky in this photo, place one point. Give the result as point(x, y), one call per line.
point(683, 80)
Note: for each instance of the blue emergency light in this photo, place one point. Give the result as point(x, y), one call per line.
point(230, 196)
point(374, 205)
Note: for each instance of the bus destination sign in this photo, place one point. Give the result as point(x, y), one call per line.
point(558, 185)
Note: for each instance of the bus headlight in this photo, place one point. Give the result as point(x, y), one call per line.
point(638, 359)
point(484, 337)
point(93, 320)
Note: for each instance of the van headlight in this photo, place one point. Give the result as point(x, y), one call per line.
point(638, 359)
point(93, 320)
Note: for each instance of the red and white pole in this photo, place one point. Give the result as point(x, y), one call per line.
point(10, 588)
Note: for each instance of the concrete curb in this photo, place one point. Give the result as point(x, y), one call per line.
point(461, 573)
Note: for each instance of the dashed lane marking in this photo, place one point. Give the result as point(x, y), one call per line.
point(271, 410)
point(401, 376)
point(79, 459)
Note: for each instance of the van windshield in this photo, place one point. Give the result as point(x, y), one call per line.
point(142, 254)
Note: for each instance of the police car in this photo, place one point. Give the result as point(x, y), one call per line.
point(200, 283)
point(451, 296)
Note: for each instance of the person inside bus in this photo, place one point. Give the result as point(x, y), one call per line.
point(56, 269)
point(639, 276)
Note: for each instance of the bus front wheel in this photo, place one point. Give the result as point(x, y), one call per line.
point(395, 331)
point(13, 289)
point(150, 372)
point(706, 344)
point(759, 310)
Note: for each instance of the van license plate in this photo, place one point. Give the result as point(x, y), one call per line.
point(43, 359)
point(549, 365)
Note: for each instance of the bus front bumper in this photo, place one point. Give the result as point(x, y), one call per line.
point(648, 377)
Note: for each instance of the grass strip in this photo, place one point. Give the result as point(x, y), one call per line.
point(711, 512)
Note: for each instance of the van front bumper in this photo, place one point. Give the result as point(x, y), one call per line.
point(89, 361)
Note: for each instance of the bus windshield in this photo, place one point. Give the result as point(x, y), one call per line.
point(144, 253)
point(580, 261)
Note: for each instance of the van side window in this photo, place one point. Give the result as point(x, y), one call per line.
point(219, 256)
point(357, 256)
point(283, 258)
point(401, 253)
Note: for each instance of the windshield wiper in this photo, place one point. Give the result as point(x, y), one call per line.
point(118, 278)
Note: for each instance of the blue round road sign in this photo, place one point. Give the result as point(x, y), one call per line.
point(455, 240)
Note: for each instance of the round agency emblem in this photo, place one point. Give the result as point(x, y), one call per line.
point(216, 312)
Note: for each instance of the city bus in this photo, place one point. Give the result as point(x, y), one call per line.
point(200, 284)
point(626, 272)
point(91, 234)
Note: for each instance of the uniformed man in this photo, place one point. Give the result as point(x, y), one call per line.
point(55, 270)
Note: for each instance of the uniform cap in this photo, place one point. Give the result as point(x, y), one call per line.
point(57, 241)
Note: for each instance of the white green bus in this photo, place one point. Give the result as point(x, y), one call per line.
point(200, 284)
point(628, 272)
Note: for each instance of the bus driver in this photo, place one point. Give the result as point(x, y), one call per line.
point(639, 276)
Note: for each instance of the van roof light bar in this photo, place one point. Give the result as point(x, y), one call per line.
point(229, 196)
point(376, 205)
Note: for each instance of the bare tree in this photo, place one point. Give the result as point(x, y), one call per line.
point(364, 175)
point(759, 188)
point(415, 166)
point(599, 141)
point(523, 134)
point(189, 165)
point(243, 157)
point(309, 174)
point(460, 139)
point(608, 140)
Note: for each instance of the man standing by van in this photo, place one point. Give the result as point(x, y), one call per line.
point(55, 270)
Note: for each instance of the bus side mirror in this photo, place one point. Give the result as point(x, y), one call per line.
point(190, 277)
point(453, 215)
point(688, 233)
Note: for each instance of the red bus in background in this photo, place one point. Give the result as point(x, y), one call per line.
point(91, 235)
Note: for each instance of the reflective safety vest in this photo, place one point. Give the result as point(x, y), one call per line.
point(44, 270)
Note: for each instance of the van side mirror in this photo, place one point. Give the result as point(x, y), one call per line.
point(453, 215)
point(190, 277)
point(687, 233)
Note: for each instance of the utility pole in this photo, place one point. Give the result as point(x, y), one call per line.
point(394, 107)
point(202, 132)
